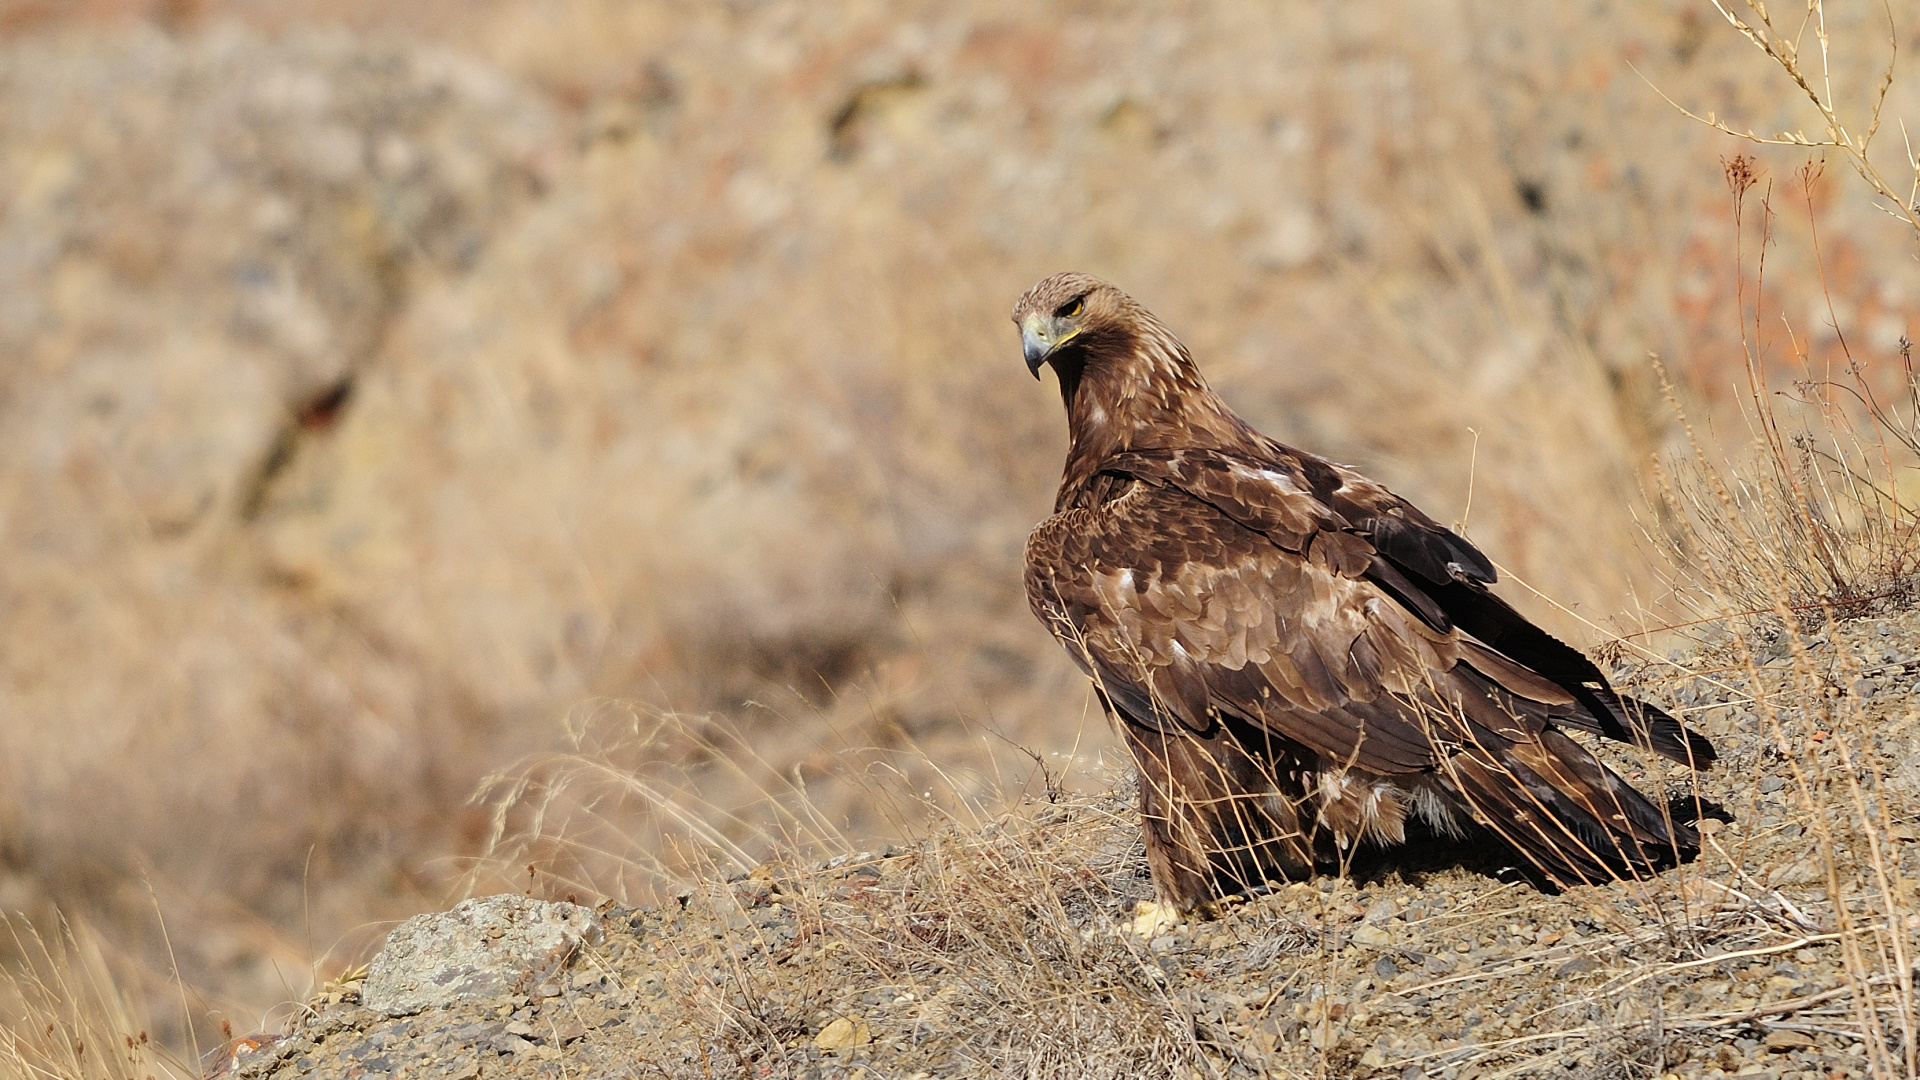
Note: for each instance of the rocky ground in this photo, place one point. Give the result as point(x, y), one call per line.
point(1006, 949)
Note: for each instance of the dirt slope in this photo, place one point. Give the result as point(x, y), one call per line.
point(1005, 950)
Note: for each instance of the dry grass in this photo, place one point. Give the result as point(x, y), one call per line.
point(989, 923)
point(990, 918)
point(63, 1015)
point(384, 380)
point(1815, 527)
point(996, 941)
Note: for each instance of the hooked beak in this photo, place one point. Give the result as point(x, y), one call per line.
point(1036, 349)
point(1038, 343)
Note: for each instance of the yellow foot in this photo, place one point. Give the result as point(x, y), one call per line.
point(1152, 918)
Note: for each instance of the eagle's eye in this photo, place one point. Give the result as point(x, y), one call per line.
point(1069, 309)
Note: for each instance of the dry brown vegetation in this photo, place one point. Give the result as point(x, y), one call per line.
point(380, 383)
point(63, 1014)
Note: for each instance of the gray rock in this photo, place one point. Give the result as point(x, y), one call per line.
point(1579, 965)
point(484, 948)
point(473, 1034)
point(510, 1044)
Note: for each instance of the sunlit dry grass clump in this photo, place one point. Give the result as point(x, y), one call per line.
point(63, 1013)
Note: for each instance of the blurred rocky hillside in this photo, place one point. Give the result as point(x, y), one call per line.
point(379, 383)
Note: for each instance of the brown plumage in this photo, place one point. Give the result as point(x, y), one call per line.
point(1299, 659)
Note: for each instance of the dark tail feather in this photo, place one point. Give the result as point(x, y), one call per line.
point(1643, 724)
point(1564, 812)
point(1497, 804)
point(1628, 720)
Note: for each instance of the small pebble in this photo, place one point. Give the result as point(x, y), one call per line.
point(510, 1044)
point(1579, 965)
point(1781, 1039)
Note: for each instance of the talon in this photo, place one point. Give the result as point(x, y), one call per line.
point(1152, 918)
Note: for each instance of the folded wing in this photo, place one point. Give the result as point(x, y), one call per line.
point(1212, 589)
point(1427, 568)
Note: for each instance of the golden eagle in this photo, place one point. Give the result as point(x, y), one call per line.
point(1298, 658)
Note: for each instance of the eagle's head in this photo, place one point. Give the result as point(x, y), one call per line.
point(1126, 381)
point(1071, 316)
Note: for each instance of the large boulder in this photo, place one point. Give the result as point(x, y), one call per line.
point(487, 947)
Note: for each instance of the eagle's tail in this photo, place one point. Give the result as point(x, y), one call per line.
point(1601, 709)
point(1571, 817)
point(1610, 713)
